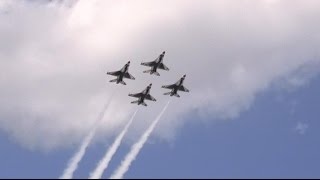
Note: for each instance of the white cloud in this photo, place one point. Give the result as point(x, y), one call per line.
point(301, 128)
point(53, 61)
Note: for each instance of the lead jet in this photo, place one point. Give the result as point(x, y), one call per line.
point(156, 64)
point(178, 86)
point(144, 95)
point(123, 73)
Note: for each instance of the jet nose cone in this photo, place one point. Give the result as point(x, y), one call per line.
point(150, 85)
point(184, 76)
point(128, 62)
point(163, 52)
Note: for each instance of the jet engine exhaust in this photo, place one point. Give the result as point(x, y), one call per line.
point(135, 149)
point(77, 157)
point(104, 162)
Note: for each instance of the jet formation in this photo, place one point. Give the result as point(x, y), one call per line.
point(145, 94)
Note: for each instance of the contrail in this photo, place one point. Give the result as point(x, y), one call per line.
point(74, 161)
point(135, 149)
point(103, 164)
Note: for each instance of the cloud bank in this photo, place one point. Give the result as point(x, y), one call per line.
point(54, 56)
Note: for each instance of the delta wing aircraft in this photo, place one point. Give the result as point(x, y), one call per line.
point(156, 64)
point(144, 95)
point(123, 73)
point(178, 86)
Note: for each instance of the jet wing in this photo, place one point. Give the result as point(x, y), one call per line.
point(129, 76)
point(149, 97)
point(150, 64)
point(136, 95)
point(172, 86)
point(115, 73)
point(182, 88)
point(164, 67)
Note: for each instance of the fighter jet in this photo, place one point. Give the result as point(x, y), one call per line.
point(178, 86)
point(144, 95)
point(156, 64)
point(123, 73)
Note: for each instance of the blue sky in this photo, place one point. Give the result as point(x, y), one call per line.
point(261, 143)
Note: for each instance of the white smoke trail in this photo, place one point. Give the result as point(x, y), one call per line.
point(103, 164)
point(131, 156)
point(74, 161)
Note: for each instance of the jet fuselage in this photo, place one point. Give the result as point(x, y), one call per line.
point(124, 70)
point(175, 90)
point(160, 60)
point(142, 98)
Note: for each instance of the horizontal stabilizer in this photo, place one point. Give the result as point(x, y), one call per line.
point(122, 82)
point(147, 71)
point(134, 102)
point(177, 95)
point(114, 80)
point(156, 73)
point(168, 93)
point(144, 104)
